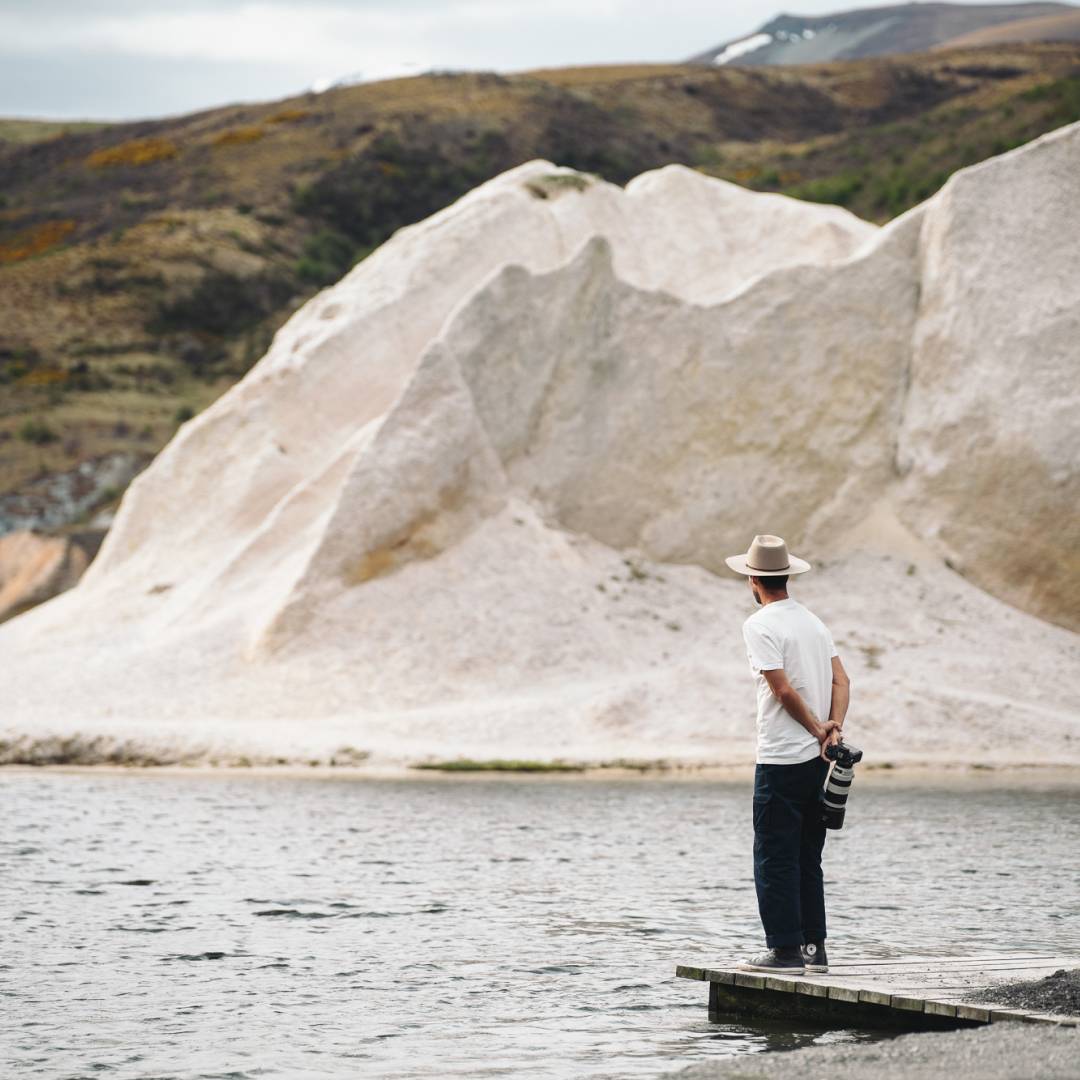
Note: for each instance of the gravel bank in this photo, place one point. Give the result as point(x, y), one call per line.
point(1010, 1051)
point(1057, 993)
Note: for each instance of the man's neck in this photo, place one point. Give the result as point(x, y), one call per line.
point(771, 598)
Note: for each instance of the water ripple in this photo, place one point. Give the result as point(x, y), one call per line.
point(209, 927)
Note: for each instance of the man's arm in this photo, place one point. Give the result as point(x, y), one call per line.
point(841, 693)
point(792, 701)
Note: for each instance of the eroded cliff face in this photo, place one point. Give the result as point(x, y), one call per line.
point(990, 440)
point(477, 495)
point(342, 362)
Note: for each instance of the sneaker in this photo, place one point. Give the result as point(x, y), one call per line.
point(813, 954)
point(786, 960)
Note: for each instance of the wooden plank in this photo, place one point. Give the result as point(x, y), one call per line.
point(928, 989)
point(941, 961)
point(682, 971)
point(727, 978)
point(939, 1008)
point(927, 978)
point(930, 978)
point(843, 993)
point(909, 1004)
point(812, 989)
point(997, 1015)
point(973, 1012)
point(965, 958)
point(943, 990)
point(875, 997)
point(954, 971)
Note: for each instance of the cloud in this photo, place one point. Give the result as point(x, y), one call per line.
point(252, 31)
point(268, 32)
point(108, 87)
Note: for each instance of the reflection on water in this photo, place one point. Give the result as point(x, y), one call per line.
point(211, 926)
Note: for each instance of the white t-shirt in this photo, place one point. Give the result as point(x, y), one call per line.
point(784, 634)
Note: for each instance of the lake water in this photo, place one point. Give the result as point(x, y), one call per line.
point(250, 926)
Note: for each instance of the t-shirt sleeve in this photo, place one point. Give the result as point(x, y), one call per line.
point(762, 648)
point(830, 642)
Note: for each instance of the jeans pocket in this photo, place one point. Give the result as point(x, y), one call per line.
point(763, 805)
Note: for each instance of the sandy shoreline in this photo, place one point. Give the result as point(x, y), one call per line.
point(974, 776)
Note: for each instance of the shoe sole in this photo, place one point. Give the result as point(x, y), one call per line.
point(823, 968)
point(773, 970)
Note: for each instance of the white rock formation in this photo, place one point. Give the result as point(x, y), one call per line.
point(476, 497)
point(991, 431)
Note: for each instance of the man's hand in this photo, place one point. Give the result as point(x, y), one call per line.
point(824, 731)
point(833, 738)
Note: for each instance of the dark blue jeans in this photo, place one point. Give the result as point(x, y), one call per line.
point(788, 838)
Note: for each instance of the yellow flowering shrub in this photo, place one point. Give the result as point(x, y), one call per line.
point(288, 116)
point(35, 240)
point(133, 152)
point(44, 377)
point(232, 136)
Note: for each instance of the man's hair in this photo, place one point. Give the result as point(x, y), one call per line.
point(773, 583)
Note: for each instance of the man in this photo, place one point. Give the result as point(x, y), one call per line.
point(802, 699)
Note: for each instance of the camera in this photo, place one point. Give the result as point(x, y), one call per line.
point(838, 785)
point(845, 756)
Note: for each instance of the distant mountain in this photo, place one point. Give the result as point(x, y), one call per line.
point(903, 28)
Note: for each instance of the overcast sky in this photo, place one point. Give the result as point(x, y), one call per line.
point(128, 59)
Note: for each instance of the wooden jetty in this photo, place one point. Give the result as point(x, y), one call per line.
point(928, 992)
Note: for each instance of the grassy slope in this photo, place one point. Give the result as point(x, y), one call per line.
point(145, 266)
point(1061, 27)
point(28, 131)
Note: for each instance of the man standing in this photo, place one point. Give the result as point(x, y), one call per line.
point(802, 698)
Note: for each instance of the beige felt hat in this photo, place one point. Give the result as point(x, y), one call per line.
point(768, 557)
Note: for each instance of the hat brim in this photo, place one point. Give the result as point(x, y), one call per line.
point(739, 565)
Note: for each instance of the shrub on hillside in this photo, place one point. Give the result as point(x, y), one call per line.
point(35, 240)
point(222, 304)
point(582, 137)
point(1063, 97)
point(327, 255)
point(839, 189)
point(288, 116)
point(133, 152)
point(232, 136)
point(392, 183)
point(16, 361)
point(204, 325)
point(37, 432)
point(48, 376)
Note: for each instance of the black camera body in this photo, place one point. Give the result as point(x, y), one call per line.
point(838, 785)
point(845, 756)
